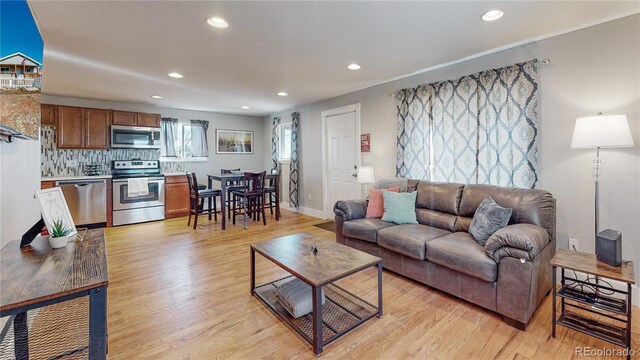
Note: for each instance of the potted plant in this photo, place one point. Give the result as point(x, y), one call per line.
point(58, 237)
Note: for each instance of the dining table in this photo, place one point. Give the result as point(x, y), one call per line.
point(235, 178)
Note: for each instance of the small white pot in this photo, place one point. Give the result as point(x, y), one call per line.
point(58, 242)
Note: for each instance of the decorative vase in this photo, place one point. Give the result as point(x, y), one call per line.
point(58, 242)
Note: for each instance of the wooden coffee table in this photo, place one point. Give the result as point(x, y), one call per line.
point(342, 311)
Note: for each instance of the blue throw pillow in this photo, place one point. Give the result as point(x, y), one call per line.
point(400, 208)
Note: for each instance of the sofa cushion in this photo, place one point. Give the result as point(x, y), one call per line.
point(460, 252)
point(436, 219)
point(409, 239)
point(443, 197)
point(364, 229)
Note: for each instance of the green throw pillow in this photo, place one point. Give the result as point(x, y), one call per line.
point(400, 208)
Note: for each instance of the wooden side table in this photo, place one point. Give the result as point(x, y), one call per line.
point(598, 298)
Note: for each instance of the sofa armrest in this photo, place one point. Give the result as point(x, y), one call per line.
point(351, 209)
point(520, 241)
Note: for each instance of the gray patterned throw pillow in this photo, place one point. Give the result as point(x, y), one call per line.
point(489, 218)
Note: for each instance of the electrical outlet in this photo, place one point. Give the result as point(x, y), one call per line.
point(574, 244)
point(309, 196)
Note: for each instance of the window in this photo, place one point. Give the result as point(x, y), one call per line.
point(5, 69)
point(183, 145)
point(285, 142)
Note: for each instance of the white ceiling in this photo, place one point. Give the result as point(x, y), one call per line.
point(122, 51)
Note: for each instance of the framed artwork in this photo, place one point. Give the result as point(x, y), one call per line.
point(54, 207)
point(365, 143)
point(234, 141)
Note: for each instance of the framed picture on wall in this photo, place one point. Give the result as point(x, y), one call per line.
point(234, 141)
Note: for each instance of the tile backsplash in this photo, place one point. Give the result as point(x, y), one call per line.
point(70, 162)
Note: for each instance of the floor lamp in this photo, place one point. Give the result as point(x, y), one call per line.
point(601, 132)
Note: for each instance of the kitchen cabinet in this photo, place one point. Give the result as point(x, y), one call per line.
point(71, 127)
point(80, 128)
point(128, 118)
point(176, 196)
point(47, 184)
point(97, 128)
point(150, 120)
point(124, 118)
point(47, 115)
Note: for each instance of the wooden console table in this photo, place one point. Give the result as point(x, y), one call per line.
point(598, 298)
point(38, 276)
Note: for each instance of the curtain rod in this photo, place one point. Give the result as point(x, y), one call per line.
point(543, 62)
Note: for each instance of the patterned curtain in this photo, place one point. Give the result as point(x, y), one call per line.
point(199, 143)
point(481, 128)
point(508, 126)
point(169, 127)
point(293, 166)
point(414, 131)
point(454, 125)
point(275, 143)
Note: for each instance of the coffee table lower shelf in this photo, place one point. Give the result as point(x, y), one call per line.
point(341, 312)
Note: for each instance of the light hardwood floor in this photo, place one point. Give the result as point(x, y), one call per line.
point(178, 293)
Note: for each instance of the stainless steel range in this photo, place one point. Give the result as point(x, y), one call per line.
point(138, 191)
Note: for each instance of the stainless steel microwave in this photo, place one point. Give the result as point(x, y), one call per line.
point(135, 137)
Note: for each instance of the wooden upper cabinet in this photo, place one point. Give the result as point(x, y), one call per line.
point(124, 118)
point(48, 115)
point(152, 120)
point(71, 126)
point(97, 128)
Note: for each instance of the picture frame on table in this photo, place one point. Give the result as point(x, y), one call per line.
point(54, 207)
point(234, 141)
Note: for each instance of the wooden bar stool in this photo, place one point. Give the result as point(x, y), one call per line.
point(197, 197)
point(252, 198)
point(235, 185)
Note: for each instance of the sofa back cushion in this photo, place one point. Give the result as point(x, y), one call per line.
point(436, 219)
point(530, 206)
point(442, 197)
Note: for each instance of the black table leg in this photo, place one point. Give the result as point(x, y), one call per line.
point(21, 336)
point(553, 310)
point(629, 306)
point(253, 270)
point(317, 320)
point(277, 196)
point(380, 289)
point(223, 202)
point(98, 323)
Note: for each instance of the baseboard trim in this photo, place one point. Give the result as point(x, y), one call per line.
point(303, 210)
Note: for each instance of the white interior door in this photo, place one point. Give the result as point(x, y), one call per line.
point(342, 154)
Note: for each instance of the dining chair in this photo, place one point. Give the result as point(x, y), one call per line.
point(251, 197)
point(197, 197)
point(270, 191)
point(234, 185)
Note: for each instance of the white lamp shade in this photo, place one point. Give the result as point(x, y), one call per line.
point(365, 175)
point(609, 131)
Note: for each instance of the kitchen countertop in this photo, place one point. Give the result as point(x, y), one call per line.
point(182, 173)
point(79, 177)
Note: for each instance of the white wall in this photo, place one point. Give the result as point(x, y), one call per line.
point(592, 70)
point(19, 180)
point(216, 121)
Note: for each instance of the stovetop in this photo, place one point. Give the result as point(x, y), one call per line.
point(135, 168)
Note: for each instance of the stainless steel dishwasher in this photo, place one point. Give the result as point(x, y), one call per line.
point(87, 200)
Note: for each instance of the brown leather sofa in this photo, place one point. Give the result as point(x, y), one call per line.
point(509, 275)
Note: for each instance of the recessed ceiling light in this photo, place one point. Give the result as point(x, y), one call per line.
point(282, 93)
point(175, 75)
point(156, 97)
point(245, 107)
point(492, 15)
point(353, 67)
point(217, 22)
